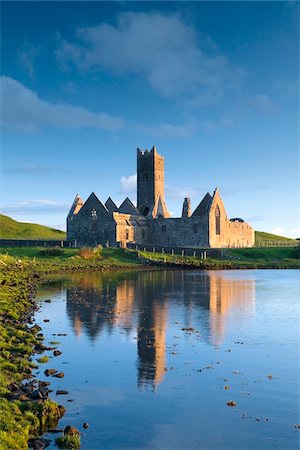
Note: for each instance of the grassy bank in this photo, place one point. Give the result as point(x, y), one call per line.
point(23, 413)
point(248, 258)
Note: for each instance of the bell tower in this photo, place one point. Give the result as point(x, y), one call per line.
point(150, 179)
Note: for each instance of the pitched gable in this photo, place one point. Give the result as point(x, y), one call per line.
point(92, 203)
point(217, 201)
point(203, 206)
point(159, 208)
point(111, 206)
point(128, 207)
point(76, 206)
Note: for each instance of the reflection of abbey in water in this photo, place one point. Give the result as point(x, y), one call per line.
point(140, 301)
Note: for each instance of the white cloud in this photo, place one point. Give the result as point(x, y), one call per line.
point(35, 170)
point(38, 207)
point(168, 130)
point(287, 232)
point(23, 110)
point(27, 56)
point(263, 103)
point(128, 184)
point(174, 59)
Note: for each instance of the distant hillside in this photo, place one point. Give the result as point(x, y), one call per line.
point(11, 229)
point(262, 238)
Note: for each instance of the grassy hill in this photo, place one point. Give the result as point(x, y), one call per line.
point(11, 229)
point(268, 239)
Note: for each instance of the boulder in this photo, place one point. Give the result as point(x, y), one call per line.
point(70, 430)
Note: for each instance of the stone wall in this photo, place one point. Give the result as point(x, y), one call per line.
point(131, 228)
point(180, 232)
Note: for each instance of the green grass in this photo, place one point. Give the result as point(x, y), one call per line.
point(68, 441)
point(11, 229)
point(239, 258)
point(43, 359)
point(35, 258)
point(268, 239)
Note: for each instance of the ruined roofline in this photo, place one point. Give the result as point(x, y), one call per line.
point(146, 152)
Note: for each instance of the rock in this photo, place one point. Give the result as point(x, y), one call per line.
point(49, 372)
point(39, 443)
point(61, 392)
point(57, 353)
point(48, 300)
point(23, 398)
point(44, 383)
point(46, 320)
point(231, 403)
point(37, 394)
point(70, 430)
point(85, 425)
point(59, 375)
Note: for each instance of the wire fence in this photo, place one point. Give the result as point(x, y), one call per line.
point(276, 243)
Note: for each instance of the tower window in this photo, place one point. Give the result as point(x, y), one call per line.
point(218, 222)
point(146, 210)
point(94, 214)
point(145, 176)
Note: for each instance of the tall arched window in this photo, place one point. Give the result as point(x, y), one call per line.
point(218, 223)
point(94, 224)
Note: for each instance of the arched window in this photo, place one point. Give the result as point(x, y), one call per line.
point(94, 224)
point(146, 210)
point(218, 223)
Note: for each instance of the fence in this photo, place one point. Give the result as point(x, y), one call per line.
point(35, 243)
point(276, 243)
point(197, 252)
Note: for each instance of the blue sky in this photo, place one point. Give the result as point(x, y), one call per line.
point(213, 85)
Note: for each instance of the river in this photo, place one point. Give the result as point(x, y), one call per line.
point(152, 358)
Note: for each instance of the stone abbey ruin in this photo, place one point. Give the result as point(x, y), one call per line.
point(149, 223)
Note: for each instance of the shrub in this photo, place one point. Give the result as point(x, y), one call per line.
point(88, 252)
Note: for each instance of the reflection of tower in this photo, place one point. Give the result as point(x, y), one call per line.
point(152, 330)
point(124, 303)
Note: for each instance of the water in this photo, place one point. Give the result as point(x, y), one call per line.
point(152, 358)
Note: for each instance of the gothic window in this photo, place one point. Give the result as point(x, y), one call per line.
point(218, 223)
point(127, 235)
point(195, 228)
point(146, 210)
point(94, 220)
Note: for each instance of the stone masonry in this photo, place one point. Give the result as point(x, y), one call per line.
point(92, 222)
